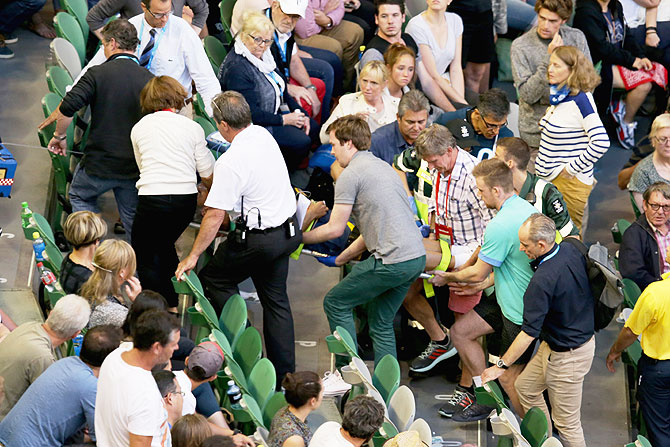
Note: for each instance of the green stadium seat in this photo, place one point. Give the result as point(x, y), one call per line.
point(276, 402)
point(68, 28)
point(79, 9)
point(248, 349)
point(233, 318)
point(386, 377)
point(262, 381)
point(58, 79)
point(215, 51)
point(534, 427)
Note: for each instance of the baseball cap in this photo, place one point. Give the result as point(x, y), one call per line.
point(208, 356)
point(463, 132)
point(293, 7)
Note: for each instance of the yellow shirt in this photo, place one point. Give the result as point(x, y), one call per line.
point(651, 318)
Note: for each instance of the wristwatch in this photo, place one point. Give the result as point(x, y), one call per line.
point(501, 364)
point(330, 25)
point(312, 86)
point(59, 138)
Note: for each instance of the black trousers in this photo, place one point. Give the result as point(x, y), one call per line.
point(159, 221)
point(654, 397)
point(264, 259)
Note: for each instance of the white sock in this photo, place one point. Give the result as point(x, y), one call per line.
point(477, 381)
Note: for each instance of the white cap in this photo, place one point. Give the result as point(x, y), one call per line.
point(293, 7)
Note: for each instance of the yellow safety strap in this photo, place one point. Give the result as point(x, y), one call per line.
point(443, 266)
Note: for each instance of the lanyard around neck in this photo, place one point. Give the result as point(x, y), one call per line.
point(282, 50)
point(153, 50)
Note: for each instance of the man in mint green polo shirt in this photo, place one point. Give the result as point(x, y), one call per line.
point(503, 314)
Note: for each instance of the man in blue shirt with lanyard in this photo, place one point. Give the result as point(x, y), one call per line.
point(489, 119)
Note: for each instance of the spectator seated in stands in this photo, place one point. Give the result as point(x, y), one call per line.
point(573, 136)
point(29, 350)
point(190, 431)
point(541, 194)
point(83, 230)
point(129, 408)
point(623, 63)
point(389, 17)
point(400, 63)
point(56, 408)
point(642, 149)
point(655, 167)
point(304, 392)
point(200, 369)
point(656, 32)
point(12, 14)
point(171, 154)
point(488, 119)
point(323, 27)
point(642, 251)
point(392, 139)
point(251, 70)
point(362, 417)
point(439, 35)
point(173, 396)
point(530, 59)
point(103, 10)
point(114, 264)
point(372, 103)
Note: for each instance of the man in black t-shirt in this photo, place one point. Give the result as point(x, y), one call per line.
point(389, 17)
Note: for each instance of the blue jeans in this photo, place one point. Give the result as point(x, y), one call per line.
point(85, 190)
point(654, 398)
point(318, 69)
point(520, 15)
point(14, 13)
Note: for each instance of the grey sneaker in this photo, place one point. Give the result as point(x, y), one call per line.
point(474, 412)
point(461, 399)
point(434, 353)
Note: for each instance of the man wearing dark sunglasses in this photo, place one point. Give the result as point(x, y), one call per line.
point(488, 119)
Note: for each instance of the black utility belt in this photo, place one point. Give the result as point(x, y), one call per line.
point(267, 230)
point(565, 349)
point(651, 361)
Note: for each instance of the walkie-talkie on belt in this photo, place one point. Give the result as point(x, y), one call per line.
point(239, 234)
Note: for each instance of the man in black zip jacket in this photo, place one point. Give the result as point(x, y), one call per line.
point(641, 256)
point(112, 89)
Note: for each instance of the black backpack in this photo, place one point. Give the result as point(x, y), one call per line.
point(606, 282)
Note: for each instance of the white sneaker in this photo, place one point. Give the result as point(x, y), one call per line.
point(334, 385)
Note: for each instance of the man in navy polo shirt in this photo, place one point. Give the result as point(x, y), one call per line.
point(489, 119)
point(558, 309)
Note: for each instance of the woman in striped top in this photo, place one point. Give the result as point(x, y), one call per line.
point(572, 135)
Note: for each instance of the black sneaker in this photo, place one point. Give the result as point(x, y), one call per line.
point(461, 399)
point(474, 412)
point(118, 228)
point(434, 353)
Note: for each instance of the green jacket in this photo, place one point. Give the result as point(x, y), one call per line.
point(551, 204)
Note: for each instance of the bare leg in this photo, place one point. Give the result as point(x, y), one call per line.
point(466, 376)
point(421, 311)
point(507, 382)
point(433, 91)
point(634, 97)
point(474, 74)
point(464, 334)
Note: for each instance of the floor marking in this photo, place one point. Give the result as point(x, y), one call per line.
point(306, 344)
point(7, 235)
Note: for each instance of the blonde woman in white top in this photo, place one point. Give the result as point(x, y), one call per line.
point(170, 151)
point(377, 107)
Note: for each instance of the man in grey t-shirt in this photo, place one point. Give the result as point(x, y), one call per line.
point(530, 58)
point(369, 189)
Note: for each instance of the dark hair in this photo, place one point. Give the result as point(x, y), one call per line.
point(123, 32)
point(190, 431)
point(493, 103)
point(146, 300)
point(218, 441)
point(561, 7)
point(362, 417)
point(494, 172)
point(300, 387)
point(231, 108)
point(165, 380)
point(162, 92)
point(351, 128)
point(147, 3)
point(98, 343)
point(153, 326)
point(515, 149)
point(196, 373)
point(400, 3)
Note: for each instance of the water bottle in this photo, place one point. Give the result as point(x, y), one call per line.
point(27, 220)
point(39, 247)
point(47, 277)
point(361, 50)
point(234, 395)
point(76, 344)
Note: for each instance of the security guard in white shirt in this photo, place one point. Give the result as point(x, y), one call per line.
point(251, 183)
